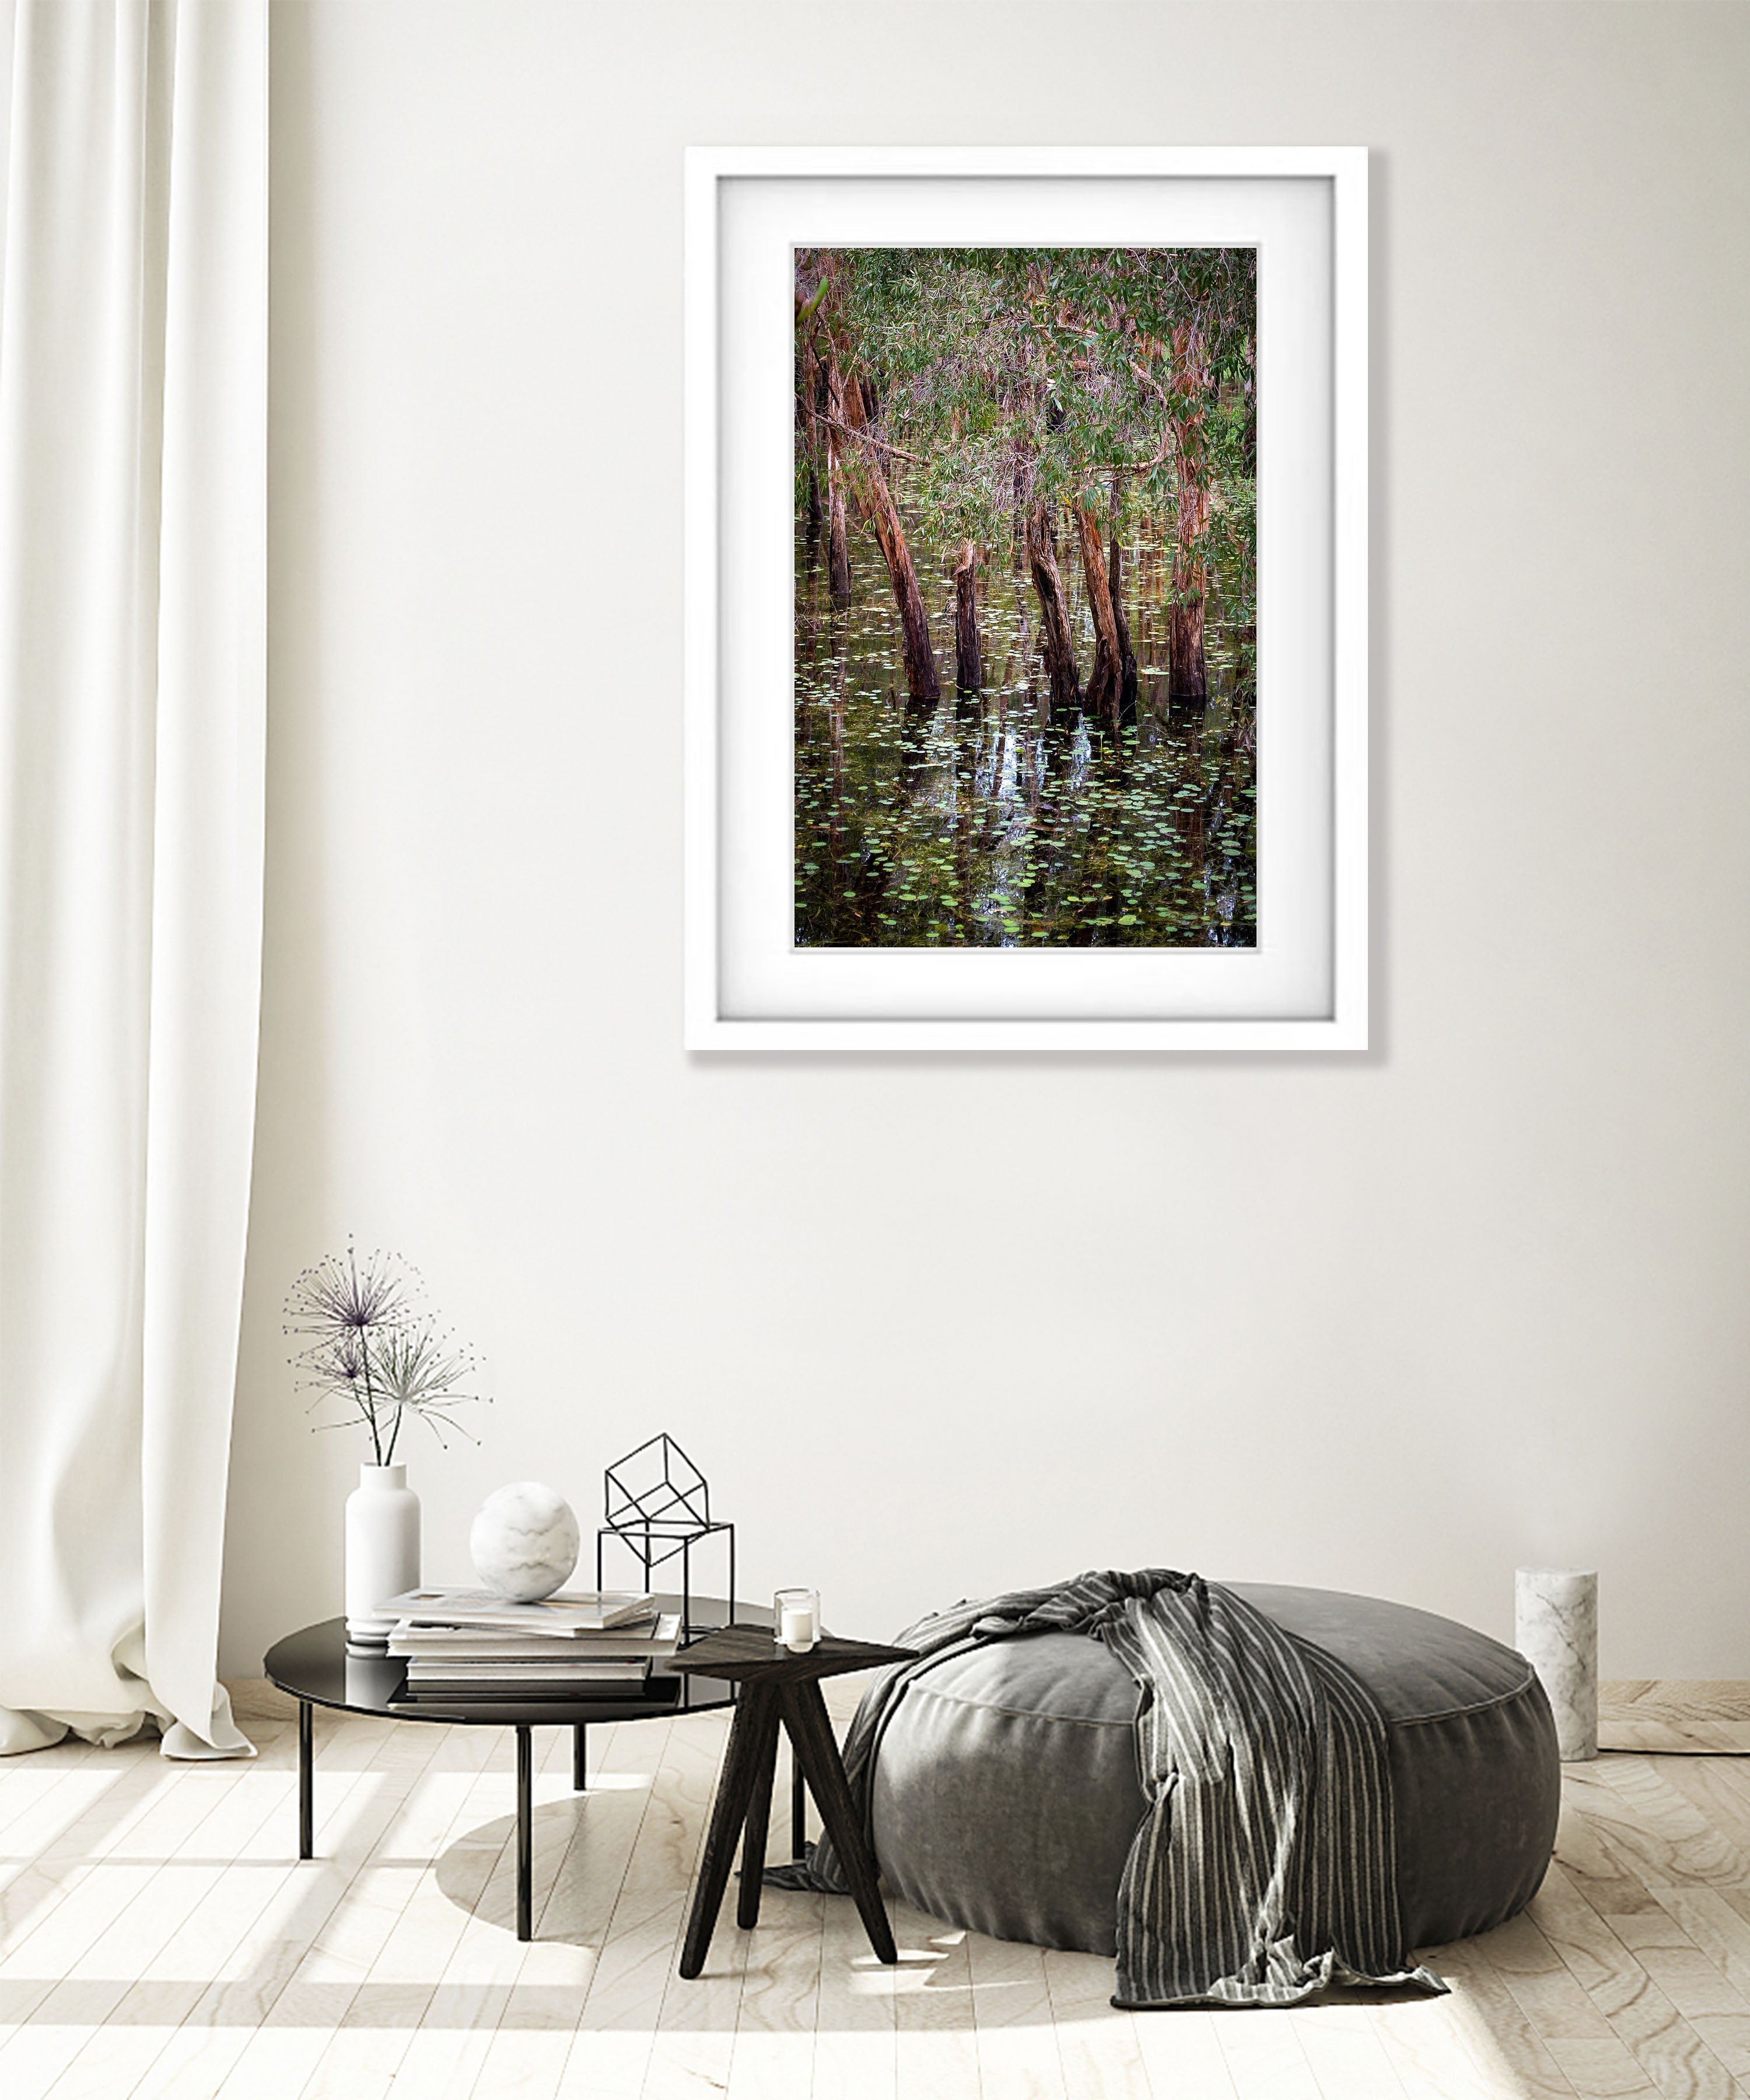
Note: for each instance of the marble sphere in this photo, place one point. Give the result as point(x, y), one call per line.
point(524, 1541)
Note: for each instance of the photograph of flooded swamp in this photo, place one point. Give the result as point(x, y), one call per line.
point(1025, 549)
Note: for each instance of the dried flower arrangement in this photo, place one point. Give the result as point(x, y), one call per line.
point(369, 1341)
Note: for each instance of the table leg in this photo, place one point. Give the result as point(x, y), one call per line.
point(798, 1809)
point(804, 1712)
point(525, 1834)
point(729, 1813)
point(580, 1757)
point(764, 1755)
point(307, 1782)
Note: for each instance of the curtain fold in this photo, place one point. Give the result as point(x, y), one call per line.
point(133, 450)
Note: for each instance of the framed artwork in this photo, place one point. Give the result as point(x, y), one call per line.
point(1026, 599)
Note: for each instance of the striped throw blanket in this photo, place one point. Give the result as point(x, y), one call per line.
point(1265, 1867)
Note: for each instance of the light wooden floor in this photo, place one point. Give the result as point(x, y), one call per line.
point(1674, 1714)
point(158, 1937)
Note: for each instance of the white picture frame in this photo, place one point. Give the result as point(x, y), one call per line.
point(1305, 987)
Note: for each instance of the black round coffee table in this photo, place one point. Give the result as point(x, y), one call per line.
point(314, 1667)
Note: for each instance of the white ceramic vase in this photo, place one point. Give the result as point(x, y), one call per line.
point(382, 1550)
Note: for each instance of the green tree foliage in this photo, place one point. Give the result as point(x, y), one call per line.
point(1099, 377)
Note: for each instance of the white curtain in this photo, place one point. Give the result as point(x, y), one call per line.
point(133, 450)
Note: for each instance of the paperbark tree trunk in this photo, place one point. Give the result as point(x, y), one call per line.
point(1021, 478)
point(808, 425)
point(968, 661)
point(1189, 677)
point(1187, 666)
point(876, 499)
point(1115, 583)
point(1126, 654)
point(1105, 683)
point(838, 547)
point(1059, 653)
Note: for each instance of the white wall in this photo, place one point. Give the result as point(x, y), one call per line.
point(939, 1326)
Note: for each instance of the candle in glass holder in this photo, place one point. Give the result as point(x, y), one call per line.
point(795, 1619)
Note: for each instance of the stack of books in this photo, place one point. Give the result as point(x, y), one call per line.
point(468, 1647)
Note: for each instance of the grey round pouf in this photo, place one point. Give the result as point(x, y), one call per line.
point(1006, 1794)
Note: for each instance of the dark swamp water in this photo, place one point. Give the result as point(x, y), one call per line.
point(979, 825)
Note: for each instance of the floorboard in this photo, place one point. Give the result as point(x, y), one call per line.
point(161, 1940)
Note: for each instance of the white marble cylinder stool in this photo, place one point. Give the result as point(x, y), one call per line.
point(1556, 1630)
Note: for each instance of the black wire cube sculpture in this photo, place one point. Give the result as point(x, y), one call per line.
point(657, 1504)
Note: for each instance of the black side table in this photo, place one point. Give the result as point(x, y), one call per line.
point(776, 1685)
point(314, 1667)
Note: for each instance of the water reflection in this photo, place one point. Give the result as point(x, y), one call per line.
point(978, 823)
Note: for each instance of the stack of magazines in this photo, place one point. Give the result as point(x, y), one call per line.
point(468, 1646)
